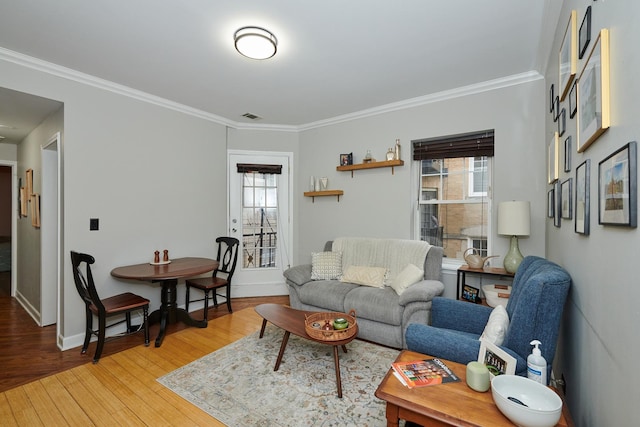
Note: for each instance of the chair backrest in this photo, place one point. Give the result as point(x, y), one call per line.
point(228, 248)
point(535, 306)
point(85, 284)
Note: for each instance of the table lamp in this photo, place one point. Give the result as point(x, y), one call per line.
point(514, 221)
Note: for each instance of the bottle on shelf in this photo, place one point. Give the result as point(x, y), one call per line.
point(397, 149)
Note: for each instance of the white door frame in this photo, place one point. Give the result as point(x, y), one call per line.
point(14, 221)
point(280, 287)
point(50, 229)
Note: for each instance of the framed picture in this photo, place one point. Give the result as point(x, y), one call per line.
point(568, 56)
point(584, 35)
point(550, 204)
point(498, 361)
point(557, 200)
point(346, 159)
point(556, 108)
point(567, 211)
point(470, 293)
point(551, 99)
point(567, 154)
point(617, 188)
point(583, 177)
point(593, 94)
point(29, 183)
point(573, 100)
point(23, 201)
point(552, 161)
point(35, 210)
point(562, 122)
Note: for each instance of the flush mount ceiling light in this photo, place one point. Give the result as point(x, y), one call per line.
point(255, 42)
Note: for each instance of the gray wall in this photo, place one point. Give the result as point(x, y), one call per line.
point(600, 341)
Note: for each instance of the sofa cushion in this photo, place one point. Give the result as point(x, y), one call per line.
point(362, 275)
point(326, 265)
point(497, 326)
point(377, 304)
point(407, 277)
point(328, 294)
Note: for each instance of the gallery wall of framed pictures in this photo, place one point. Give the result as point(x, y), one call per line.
point(580, 106)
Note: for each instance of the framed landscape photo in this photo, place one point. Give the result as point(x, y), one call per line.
point(566, 199)
point(617, 187)
point(497, 361)
point(593, 94)
point(583, 177)
point(567, 154)
point(568, 56)
point(584, 36)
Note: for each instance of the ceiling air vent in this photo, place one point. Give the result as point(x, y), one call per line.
point(251, 116)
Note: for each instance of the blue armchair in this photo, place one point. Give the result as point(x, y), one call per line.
point(539, 291)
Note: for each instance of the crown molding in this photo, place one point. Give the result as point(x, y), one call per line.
point(73, 75)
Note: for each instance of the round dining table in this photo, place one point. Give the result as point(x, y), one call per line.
point(168, 274)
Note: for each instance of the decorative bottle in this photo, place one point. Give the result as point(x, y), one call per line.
point(390, 154)
point(397, 149)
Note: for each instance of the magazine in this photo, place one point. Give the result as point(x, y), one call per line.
point(420, 373)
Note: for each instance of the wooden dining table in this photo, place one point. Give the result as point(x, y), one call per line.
point(167, 274)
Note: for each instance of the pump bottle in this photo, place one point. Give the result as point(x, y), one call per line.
point(536, 365)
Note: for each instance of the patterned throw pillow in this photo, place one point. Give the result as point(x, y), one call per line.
point(326, 265)
point(362, 275)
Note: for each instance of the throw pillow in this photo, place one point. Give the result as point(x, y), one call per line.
point(407, 277)
point(361, 275)
point(496, 328)
point(326, 265)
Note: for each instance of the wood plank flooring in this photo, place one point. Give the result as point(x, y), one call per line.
point(121, 389)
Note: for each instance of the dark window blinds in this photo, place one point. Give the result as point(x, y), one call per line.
point(249, 167)
point(474, 144)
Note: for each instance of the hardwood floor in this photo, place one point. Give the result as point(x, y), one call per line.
point(29, 352)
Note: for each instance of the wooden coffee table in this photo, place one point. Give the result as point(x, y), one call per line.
point(442, 404)
point(293, 322)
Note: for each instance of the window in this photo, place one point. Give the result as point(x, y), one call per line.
point(454, 192)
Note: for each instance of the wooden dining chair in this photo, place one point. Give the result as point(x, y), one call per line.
point(221, 278)
point(120, 304)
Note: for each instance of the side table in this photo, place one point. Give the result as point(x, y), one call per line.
point(489, 271)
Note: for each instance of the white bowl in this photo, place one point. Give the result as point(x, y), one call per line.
point(543, 406)
point(491, 294)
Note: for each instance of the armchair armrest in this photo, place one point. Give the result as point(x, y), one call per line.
point(457, 315)
point(426, 290)
point(298, 275)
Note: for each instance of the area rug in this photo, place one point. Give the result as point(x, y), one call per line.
point(238, 386)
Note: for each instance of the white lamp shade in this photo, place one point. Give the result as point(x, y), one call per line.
point(514, 218)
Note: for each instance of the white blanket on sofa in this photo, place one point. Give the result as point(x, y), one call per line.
point(393, 254)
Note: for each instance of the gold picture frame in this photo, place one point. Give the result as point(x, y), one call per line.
point(594, 116)
point(553, 161)
point(568, 56)
point(35, 210)
point(29, 184)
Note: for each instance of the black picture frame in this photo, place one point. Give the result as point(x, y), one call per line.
point(562, 122)
point(557, 214)
point(550, 204)
point(567, 154)
point(567, 199)
point(573, 100)
point(618, 187)
point(551, 99)
point(583, 198)
point(469, 293)
point(584, 35)
point(346, 159)
point(556, 109)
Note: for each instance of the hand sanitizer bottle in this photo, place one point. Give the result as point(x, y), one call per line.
point(536, 365)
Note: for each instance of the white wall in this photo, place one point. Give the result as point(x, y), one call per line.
point(599, 343)
point(152, 175)
point(379, 204)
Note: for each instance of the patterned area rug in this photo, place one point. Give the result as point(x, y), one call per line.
point(237, 384)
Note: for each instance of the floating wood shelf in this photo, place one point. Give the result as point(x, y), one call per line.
point(371, 165)
point(314, 194)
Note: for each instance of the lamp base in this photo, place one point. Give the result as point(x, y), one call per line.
point(513, 258)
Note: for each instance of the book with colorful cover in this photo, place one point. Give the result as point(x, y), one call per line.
point(421, 373)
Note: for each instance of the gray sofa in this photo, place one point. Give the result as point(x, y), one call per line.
point(382, 314)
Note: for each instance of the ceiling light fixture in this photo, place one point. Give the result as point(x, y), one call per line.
point(255, 42)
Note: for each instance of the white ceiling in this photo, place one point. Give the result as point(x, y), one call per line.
point(335, 57)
